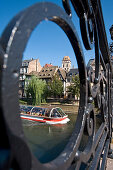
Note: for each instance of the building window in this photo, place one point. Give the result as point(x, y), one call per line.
point(25, 63)
point(26, 70)
point(22, 70)
point(20, 77)
point(23, 77)
point(68, 80)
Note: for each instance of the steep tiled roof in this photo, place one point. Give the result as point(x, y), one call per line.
point(48, 65)
point(72, 72)
point(26, 60)
point(47, 72)
point(63, 73)
point(33, 73)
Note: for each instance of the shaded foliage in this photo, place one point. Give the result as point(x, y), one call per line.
point(55, 86)
point(74, 88)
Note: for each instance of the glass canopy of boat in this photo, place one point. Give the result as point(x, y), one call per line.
point(49, 112)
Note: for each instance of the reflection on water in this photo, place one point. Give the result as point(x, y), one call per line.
point(48, 141)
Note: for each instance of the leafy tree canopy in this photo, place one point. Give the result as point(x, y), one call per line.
point(35, 89)
point(74, 88)
point(55, 86)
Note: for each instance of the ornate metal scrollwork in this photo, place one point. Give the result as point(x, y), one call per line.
point(95, 84)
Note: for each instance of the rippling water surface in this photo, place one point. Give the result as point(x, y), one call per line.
point(48, 141)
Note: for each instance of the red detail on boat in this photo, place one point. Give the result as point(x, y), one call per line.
point(38, 120)
point(46, 115)
point(55, 119)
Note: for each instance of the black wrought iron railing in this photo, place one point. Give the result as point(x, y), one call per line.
point(95, 87)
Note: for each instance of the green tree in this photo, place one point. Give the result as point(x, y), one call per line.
point(35, 89)
point(55, 86)
point(74, 88)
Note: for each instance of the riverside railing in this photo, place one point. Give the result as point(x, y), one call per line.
point(95, 87)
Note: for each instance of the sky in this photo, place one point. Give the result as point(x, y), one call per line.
point(48, 42)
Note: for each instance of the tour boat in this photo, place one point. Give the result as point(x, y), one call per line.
point(45, 115)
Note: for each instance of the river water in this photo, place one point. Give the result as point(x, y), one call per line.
point(48, 141)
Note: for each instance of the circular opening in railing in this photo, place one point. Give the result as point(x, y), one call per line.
point(49, 88)
point(49, 91)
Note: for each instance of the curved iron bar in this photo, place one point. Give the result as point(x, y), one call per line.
point(95, 85)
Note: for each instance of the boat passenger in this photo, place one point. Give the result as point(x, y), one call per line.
point(40, 113)
point(54, 114)
point(47, 113)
